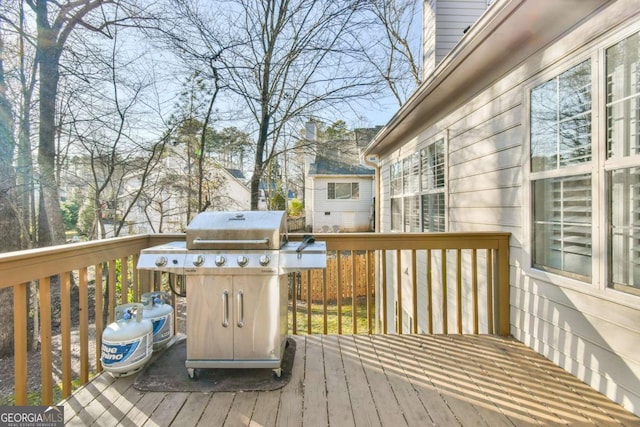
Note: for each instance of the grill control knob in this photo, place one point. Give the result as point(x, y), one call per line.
point(264, 260)
point(220, 260)
point(161, 261)
point(243, 260)
point(198, 260)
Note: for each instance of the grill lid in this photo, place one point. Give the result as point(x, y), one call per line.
point(237, 230)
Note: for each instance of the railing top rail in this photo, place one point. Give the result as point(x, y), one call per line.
point(391, 241)
point(23, 266)
point(31, 264)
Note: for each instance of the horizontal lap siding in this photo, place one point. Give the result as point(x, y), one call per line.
point(482, 144)
point(453, 17)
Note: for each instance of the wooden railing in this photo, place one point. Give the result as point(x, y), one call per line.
point(451, 271)
point(402, 266)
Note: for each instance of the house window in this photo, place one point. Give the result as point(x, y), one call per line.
point(623, 162)
point(571, 165)
point(343, 190)
point(432, 186)
point(560, 150)
point(396, 196)
point(417, 186)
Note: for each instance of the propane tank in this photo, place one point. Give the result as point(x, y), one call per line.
point(127, 343)
point(160, 313)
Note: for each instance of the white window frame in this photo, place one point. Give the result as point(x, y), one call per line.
point(351, 191)
point(598, 169)
point(409, 189)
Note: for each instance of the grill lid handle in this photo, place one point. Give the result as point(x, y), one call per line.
point(307, 239)
point(198, 241)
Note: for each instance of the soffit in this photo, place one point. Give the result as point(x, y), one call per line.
point(505, 35)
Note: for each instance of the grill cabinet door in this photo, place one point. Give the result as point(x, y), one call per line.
point(257, 318)
point(210, 322)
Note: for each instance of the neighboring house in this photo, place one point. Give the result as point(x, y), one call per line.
point(531, 125)
point(166, 209)
point(338, 194)
point(158, 201)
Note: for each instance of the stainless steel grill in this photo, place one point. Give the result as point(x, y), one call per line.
point(235, 266)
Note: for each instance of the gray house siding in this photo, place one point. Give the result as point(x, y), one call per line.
point(444, 25)
point(588, 329)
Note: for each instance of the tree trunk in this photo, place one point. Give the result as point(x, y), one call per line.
point(51, 214)
point(9, 224)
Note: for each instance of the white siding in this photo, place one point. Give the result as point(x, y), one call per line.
point(341, 215)
point(444, 25)
point(588, 329)
point(428, 38)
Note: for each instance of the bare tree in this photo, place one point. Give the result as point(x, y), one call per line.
point(298, 58)
point(105, 135)
point(196, 41)
point(9, 225)
point(56, 22)
point(392, 50)
point(19, 52)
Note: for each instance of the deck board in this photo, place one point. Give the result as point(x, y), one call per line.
point(314, 411)
point(217, 409)
point(339, 407)
point(363, 407)
point(192, 410)
point(373, 380)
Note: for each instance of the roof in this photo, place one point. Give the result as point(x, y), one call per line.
point(326, 166)
point(236, 173)
point(505, 35)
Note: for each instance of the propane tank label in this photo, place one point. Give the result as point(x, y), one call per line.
point(124, 353)
point(162, 327)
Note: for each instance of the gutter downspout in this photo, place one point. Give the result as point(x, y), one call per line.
point(374, 161)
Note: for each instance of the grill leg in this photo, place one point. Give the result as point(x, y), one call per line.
point(192, 374)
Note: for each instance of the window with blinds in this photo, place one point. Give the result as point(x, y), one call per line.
point(432, 187)
point(623, 150)
point(560, 138)
point(417, 187)
point(564, 170)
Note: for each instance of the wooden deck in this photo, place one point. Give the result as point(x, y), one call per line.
point(378, 380)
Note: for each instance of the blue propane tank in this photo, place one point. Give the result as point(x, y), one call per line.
point(160, 313)
point(127, 343)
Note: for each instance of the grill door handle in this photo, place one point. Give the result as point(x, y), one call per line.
point(231, 243)
point(240, 300)
point(225, 308)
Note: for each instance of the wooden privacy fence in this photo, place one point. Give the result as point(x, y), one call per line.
point(349, 274)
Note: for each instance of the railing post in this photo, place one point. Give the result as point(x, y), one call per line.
point(383, 286)
point(99, 312)
point(503, 288)
point(414, 291)
point(398, 268)
point(83, 306)
point(46, 379)
point(20, 341)
point(65, 323)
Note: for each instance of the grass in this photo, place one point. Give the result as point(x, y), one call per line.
point(317, 318)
